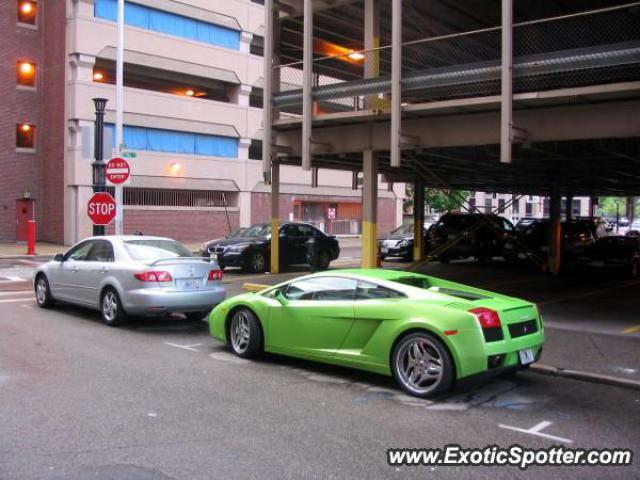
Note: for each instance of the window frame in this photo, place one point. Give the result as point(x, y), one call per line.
point(75, 248)
point(397, 294)
point(23, 24)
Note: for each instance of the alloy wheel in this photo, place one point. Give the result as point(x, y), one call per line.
point(110, 306)
point(240, 332)
point(419, 365)
point(41, 291)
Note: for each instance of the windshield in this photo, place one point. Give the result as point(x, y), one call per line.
point(156, 249)
point(238, 232)
point(404, 229)
point(261, 230)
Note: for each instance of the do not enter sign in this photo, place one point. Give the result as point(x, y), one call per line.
point(101, 208)
point(117, 171)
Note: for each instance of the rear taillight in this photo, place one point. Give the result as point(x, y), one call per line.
point(214, 275)
point(489, 321)
point(154, 276)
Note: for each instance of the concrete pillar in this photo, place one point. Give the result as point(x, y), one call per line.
point(268, 76)
point(630, 210)
point(555, 231)
point(568, 208)
point(240, 94)
point(418, 220)
point(275, 216)
point(506, 108)
point(245, 41)
point(369, 209)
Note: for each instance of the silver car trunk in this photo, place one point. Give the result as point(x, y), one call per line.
point(188, 273)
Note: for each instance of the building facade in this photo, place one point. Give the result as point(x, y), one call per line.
point(192, 118)
point(530, 206)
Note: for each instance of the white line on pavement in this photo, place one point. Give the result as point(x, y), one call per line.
point(13, 300)
point(16, 292)
point(191, 348)
point(537, 430)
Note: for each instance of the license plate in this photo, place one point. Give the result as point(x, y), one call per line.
point(526, 356)
point(384, 250)
point(189, 285)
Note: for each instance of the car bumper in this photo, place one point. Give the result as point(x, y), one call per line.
point(394, 252)
point(230, 259)
point(156, 301)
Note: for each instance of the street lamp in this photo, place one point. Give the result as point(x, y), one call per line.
point(99, 181)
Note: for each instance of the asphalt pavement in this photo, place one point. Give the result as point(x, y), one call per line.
point(161, 399)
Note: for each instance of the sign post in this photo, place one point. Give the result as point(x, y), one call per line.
point(101, 208)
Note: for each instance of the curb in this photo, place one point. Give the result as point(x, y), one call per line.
point(585, 376)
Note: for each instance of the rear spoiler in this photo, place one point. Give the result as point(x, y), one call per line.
point(180, 259)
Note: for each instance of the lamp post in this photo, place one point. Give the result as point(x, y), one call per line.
point(99, 180)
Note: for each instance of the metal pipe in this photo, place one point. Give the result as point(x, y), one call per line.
point(267, 92)
point(396, 86)
point(307, 85)
point(119, 112)
point(506, 97)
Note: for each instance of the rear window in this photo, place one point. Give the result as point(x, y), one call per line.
point(156, 249)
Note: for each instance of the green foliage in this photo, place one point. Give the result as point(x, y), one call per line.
point(445, 200)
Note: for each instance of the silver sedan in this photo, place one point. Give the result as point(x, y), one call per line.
point(131, 275)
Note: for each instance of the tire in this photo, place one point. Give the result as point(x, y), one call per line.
point(382, 258)
point(196, 316)
point(111, 309)
point(44, 299)
point(256, 262)
point(324, 259)
point(245, 334)
point(423, 355)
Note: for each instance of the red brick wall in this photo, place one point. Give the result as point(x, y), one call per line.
point(261, 208)
point(26, 171)
point(20, 172)
point(181, 225)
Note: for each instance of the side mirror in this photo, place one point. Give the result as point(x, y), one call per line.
point(279, 296)
point(59, 257)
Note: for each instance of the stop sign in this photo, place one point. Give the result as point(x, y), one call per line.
point(101, 208)
point(117, 170)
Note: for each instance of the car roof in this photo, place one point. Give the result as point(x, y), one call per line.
point(128, 237)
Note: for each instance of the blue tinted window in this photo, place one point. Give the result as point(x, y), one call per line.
point(169, 23)
point(171, 141)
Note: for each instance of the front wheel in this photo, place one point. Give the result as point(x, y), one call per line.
point(324, 259)
point(256, 262)
point(245, 334)
point(43, 292)
point(111, 308)
point(422, 365)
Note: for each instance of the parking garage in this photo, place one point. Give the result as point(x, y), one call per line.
point(537, 98)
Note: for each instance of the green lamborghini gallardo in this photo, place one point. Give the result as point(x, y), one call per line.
point(424, 331)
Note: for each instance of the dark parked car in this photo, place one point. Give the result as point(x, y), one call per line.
point(299, 243)
point(234, 234)
point(535, 238)
point(480, 236)
point(399, 242)
point(616, 253)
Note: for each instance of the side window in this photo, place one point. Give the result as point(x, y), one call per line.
point(322, 288)
point(307, 231)
point(102, 251)
point(291, 230)
point(79, 252)
point(371, 291)
point(508, 227)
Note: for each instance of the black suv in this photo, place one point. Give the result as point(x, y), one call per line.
point(534, 239)
point(482, 236)
point(299, 243)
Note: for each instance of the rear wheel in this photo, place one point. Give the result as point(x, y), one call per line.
point(245, 334)
point(111, 308)
point(43, 292)
point(324, 259)
point(422, 365)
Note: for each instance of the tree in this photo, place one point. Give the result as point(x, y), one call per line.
point(445, 200)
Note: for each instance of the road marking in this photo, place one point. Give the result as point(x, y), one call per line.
point(13, 280)
point(13, 300)
point(191, 348)
point(28, 305)
point(16, 292)
point(537, 430)
point(635, 329)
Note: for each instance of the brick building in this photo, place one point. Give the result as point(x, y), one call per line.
point(192, 115)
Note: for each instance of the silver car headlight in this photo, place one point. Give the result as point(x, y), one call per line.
point(403, 243)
